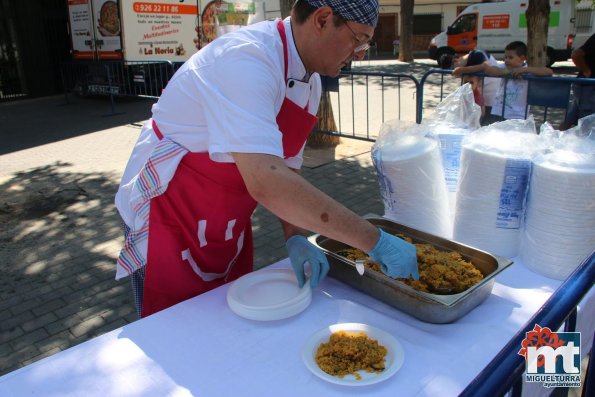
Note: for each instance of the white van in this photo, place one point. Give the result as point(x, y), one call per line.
point(491, 26)
point(585, 22)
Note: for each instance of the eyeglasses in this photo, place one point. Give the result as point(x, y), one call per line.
point(363, 44)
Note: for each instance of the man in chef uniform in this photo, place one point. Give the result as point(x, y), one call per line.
point(227, 133)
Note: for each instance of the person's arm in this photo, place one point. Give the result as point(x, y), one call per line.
point(459, 62)
point(460, 70)
point(578, 57)
point(492, 70)
point(294, 200)
point(540, 71)
point(534, 70)
point(289, 229)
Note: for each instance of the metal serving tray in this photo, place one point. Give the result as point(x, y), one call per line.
point(425, 306)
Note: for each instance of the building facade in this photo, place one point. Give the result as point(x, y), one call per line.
point(35, 42)
point(430, 17)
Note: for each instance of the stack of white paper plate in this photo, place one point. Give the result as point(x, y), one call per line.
point(412, 184)
point(560, 224)
point(268, 294)
point(493, 183)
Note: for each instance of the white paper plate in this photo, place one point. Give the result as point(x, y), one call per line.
point(395, 355)
point(268, 294)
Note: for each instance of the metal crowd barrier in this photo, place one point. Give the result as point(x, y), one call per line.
point(360, 101)
point(116, 78)
point(363, 101)
point(548, 98)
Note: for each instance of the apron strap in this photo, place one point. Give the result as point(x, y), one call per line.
point(281, 29)
point(158, 133)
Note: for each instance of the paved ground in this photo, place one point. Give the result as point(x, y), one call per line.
point(59, 231)
point(60, 165)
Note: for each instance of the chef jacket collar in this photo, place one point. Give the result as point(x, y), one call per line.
point(296, 69)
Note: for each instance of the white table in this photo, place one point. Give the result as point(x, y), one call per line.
point(200, 348)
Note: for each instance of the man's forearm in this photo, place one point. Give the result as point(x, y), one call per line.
point(299, 203)
point(288, 228)
point(292, 230)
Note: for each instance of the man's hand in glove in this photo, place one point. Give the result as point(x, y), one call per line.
point(397, 257)
point(300, 251)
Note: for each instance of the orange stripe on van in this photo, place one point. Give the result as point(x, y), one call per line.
point(161, 8)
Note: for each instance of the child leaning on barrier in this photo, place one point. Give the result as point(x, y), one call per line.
point(484, 89)
point(511, 98)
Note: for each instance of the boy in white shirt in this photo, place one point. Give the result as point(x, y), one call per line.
point(511, 98)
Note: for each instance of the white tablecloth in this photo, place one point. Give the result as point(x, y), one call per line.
point(200, 348)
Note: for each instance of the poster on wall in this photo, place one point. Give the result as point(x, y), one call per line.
point(159, 30)
point(107, 29)
point(81, 29)
point(220, 17)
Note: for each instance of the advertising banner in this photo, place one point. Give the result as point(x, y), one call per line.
point(160, 29)
point(81, 29)
point(220, 17)
point(107, 29)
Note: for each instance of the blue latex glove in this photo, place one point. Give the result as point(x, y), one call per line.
point(300, 251)
point(397, 257)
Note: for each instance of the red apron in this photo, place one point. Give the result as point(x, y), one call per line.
point(200, 234)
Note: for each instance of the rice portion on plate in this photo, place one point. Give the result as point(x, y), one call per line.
point(348, 352)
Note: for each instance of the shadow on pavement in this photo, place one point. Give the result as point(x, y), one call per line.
point(33, 122)
point(59, 234)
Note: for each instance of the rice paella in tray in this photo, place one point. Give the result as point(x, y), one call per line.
point(440, 272)
point(454, 278)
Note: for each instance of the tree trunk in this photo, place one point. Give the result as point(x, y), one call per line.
point(406, 36)
point(326, 122)
point(326, 119)
point(286, 7)
point(538, 13)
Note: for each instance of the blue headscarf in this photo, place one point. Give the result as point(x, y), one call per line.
point(362, 11)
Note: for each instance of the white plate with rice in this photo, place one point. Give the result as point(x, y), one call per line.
point(394, 358)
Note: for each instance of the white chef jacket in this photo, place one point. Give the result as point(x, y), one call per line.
point(224, 99)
